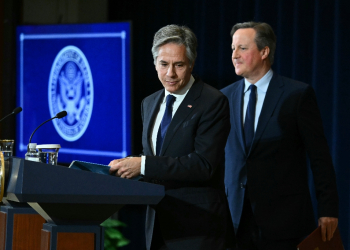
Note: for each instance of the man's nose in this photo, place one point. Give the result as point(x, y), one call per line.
point(235, 54)
point(171, 72)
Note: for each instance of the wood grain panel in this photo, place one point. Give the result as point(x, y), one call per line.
point(27, 231)
point(45, 240)
point(75, 241)
point(3, 217)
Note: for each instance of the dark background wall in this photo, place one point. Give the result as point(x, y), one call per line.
point(312, 47)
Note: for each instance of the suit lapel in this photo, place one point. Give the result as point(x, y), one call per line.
point(182, 112)
point(153, 111)
point(237, 112)
point(273, 95)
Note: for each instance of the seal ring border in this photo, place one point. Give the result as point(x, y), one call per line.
point(82, 131)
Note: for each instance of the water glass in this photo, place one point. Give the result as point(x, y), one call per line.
point(48, 153)
point(6, 147)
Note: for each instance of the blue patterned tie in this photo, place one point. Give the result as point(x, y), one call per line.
point(165, 122)
point(249, 118)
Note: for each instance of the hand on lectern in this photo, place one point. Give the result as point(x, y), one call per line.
point(128, 167)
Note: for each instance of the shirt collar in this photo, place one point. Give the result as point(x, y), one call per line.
point(182, 92)
point(262, 84)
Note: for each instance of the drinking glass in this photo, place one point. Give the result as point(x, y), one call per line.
point(6, 147)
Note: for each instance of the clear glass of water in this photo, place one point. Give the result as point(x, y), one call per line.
point(48, 153)
point(6, 147)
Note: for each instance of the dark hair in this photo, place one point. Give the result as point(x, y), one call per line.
point(176, 34)
point(264, 36)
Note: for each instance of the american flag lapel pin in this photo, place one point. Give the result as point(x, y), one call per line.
point(190, 106)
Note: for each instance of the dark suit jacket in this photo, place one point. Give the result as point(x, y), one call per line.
point(194, 211)
point(275, 169)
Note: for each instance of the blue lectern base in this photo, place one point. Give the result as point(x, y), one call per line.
point(19, 228)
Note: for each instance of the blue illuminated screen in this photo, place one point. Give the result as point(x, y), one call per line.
point(85, 70)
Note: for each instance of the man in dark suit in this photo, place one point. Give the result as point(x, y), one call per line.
point(185, 128)
point(275, 124)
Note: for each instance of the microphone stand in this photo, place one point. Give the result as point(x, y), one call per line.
point(59, 116)
point(15, 111)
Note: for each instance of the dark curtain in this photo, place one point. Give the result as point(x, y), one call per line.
point(312, 47)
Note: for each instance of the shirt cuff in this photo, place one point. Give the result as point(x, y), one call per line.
point(143, 164)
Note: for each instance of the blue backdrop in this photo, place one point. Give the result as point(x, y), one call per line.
point(98, 125)
point(312, 47)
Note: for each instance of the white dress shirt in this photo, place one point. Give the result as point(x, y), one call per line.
point(180, 96)
point(261, 89)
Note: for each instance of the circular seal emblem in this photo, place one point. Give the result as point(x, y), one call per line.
point(71, 89)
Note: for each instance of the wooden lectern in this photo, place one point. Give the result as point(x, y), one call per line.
point(73, 203)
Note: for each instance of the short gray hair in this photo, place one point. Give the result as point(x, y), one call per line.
point(180, 35)
point(264, 36)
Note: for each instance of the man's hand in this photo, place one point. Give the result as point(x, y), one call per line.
point(126, 167)
point(328, 226)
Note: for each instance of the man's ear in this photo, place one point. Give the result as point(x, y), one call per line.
point(155, 62)
point(265, 52)
point(192, 66)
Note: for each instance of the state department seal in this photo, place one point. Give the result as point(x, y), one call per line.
point(71, 89)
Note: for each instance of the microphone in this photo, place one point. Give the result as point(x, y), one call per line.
point(58, 116)
point(14, 112)
point(61, 114)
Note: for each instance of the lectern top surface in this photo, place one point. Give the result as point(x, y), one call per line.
point(38, 182)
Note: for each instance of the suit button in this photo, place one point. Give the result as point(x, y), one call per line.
point(242, 185)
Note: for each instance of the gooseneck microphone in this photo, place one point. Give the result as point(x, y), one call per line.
point(14, 112)
point(59, 116)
